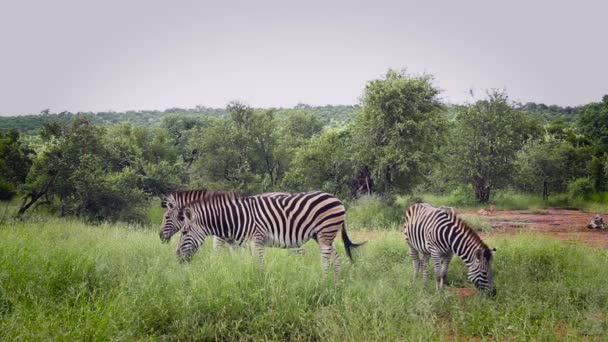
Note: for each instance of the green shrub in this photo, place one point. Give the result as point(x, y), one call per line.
point(374, 213)
point(7, 191)
point(580, 187)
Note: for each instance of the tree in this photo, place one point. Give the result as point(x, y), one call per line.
point(100, 173)
point(324, 163)
point(293, 131)
point(485, 140)
point(593, 121)
point(544, 166)
point(14, 164)
point(399, 130)
point(221, 162)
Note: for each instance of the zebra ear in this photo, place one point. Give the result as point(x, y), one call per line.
point(187, 213)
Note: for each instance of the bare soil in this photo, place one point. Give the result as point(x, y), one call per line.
point(563, 224)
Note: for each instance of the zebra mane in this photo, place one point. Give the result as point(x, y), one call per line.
point(461, 224)
point(185, 197)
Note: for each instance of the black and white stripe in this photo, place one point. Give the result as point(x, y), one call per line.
point(179, 199)
point(283, 221)
point(438, 234)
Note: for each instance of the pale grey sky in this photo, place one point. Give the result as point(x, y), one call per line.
point(116, 55)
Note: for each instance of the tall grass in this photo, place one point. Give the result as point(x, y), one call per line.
point(61, 279)
point(374, 213)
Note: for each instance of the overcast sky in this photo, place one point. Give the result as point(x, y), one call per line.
point(118, 55)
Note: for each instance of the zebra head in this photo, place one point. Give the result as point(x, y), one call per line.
point(191, 238)
point(480, 271)
point(171, 221)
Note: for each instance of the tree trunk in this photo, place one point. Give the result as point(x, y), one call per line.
point(482, 192)
point(34, 196)
point(545, 191)
point(362, 184)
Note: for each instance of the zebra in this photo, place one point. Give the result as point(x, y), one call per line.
point(285, 221)
point(438, 234)
point(178, 199)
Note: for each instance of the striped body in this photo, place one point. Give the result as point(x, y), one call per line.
point(179, 199)
point(281, 220)
point(438, 234)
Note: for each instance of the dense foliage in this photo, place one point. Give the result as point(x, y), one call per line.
point(401, 139)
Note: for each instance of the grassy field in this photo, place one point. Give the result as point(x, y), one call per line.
point(62, 279)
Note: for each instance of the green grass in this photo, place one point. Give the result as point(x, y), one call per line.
point(62, 279)
point(477, 223)
point(374, 213)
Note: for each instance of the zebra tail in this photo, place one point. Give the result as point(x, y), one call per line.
point(349, 245)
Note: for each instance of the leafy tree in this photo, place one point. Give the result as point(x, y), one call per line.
point(323, 163)
point(51, 172)
point(484, 142)
point(14, 164)
point(543, 166)
point(148, 153)
point(221, 162)
point(101, 173)
point(293, 131)
point(593, 121)
point(399, 129)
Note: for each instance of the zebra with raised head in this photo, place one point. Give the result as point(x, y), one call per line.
point(285, 221)
point(179, 199)
point(438, 234)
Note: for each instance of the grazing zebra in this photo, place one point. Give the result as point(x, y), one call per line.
point(285, 221)
point(179, 199)
point(438, 234)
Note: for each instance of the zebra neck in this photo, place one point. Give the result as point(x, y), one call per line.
point(467, 253)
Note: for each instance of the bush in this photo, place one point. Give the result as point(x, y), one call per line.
point(580, 187)
point(7, 190)
point(374, 213)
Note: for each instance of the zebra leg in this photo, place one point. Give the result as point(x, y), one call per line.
point(258, 250)
point(415, 261)
point(445, 262)
point(327, 252)
point(335, 259)
point(424, 262)
point(440, 266)
point(218, 243)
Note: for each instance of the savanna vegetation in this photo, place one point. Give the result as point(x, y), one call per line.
point(401, 140)
point(62, 279)
point(80, 256)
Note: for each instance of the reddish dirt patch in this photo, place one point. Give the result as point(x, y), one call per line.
point(463, 292)
point(566, 225)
